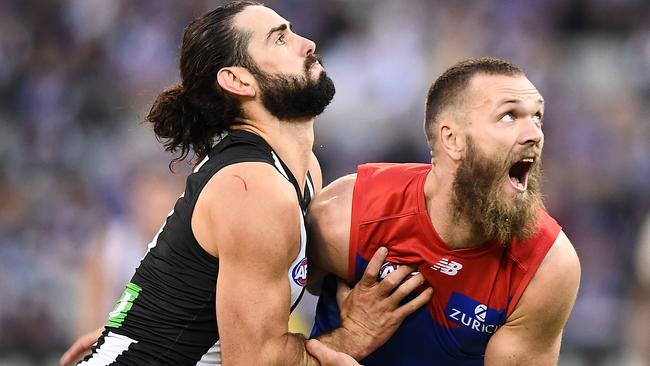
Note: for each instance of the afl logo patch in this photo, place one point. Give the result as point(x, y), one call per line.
point(388, 268)
point(299, 273)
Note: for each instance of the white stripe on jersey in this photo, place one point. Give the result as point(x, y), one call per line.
point(212, 357)
point(205, 160)
point(310, 186)
point(113, 346)
point(278, 165)
point(296, 289)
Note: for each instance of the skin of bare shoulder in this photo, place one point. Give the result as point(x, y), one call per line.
point(533, 332)
point(253, 190)
point(329, 224)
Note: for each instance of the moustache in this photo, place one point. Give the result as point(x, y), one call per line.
point(513, 158)
point(312, 59)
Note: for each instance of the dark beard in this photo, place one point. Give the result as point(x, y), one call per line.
point(290, 97)
point(478, 192)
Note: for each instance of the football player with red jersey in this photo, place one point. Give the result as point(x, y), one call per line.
point(504, 275)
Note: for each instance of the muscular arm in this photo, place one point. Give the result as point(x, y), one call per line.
point(532, 333)
point(329, 219)
point(248, 216)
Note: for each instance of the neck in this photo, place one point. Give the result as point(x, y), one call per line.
point(457, 233)
point(292, 141)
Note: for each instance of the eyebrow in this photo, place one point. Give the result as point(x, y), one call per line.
point(279, 28)
point(517, 101)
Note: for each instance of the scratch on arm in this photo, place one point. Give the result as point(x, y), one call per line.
point(243, 181)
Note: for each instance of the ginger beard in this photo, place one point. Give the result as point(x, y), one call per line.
point(293, 97)
point(479, 196)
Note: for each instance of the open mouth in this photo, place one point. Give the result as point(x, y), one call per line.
point(518, 174)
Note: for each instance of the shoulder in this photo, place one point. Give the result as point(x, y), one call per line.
point(335, 192)
point(559, 276)
point(238, 185)
point(328, 206)
point(247, 203)
point(559, 271)
point(532, 333)
point(329, 224)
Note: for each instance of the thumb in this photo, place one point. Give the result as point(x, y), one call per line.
point(317, 349)
point(342, 291)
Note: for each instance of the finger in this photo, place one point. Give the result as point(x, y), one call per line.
point(413, 305)
point(372, 270)
point(327, 356)
point(395, 278)
point(342, 292)
point(406, 287)
point(88, 340)
point(80, 347)
point(65, 360)
point(319, 351)
point(71, 354)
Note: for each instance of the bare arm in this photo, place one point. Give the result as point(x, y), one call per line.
point(81, 347)
point(533, 332)
point(329, 219)
point(248, 216)
point(371, 312)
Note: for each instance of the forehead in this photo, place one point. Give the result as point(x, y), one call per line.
point(492, 89)
point(258, 20)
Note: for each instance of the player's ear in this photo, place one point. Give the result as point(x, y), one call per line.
point(452, 140)
point(236, 80)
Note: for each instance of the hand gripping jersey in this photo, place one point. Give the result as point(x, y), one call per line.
point(166, 315)
point(475, 290)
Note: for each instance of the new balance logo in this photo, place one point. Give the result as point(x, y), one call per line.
point(450, 268)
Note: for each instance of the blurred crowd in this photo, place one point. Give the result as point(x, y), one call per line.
point(84, 185)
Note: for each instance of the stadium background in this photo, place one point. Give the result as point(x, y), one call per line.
point(84, 185)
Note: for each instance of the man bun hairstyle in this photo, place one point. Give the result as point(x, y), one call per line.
point(190, 115)
point(450, 87)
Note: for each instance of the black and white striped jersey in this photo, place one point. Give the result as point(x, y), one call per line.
point(166, 315)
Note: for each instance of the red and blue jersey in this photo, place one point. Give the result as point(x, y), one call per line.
point(475, 290)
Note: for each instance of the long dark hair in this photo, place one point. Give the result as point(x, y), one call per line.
point(188, 116)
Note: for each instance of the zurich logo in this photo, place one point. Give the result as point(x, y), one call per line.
point(299, 273)
point(480, 311)
point(473, 315)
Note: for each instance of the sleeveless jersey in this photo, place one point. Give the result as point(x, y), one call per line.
point(475, 290)
point(166, 315)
